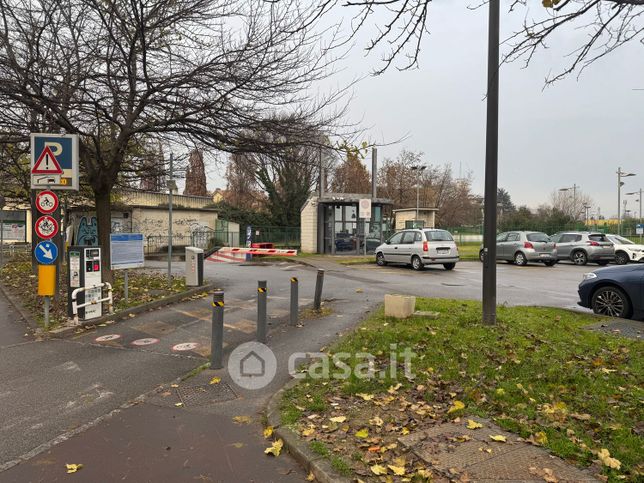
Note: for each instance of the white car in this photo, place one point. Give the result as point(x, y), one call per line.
point(626, 250)
point(418, 248)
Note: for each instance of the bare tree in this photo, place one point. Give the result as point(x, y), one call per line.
point(351, 175)
point(115, 72)
point(609, 24)
point(570, 204)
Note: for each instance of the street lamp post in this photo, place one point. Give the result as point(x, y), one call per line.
point(491, 165)
point(573, 188)
point(640, 201)
point(418, 168)
point(620, 174)
point(586, 208)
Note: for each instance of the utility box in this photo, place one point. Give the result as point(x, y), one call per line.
point(84, 270)
point(194, 267)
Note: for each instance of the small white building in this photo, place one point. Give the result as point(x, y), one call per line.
point(407, 218)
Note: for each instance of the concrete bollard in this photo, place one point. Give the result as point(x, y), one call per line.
point(262, 323)
point(294, 302)
point(319, 283)
point(217, 339)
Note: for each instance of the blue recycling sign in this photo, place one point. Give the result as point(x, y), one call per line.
point(46, 252)
point(54, 161)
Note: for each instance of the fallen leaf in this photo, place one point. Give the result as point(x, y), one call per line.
point(456, 406)
point(540, 438)
point(268, 431)
point(378, 470)
point(405, 431)
point(174, 385)
point(471, 424)
point(363, 433)
point(73, 467)
point(498, 438)
point(215, 380)
point(241, 419)
point(310, 476)
point(377, 421)
point(338, 419)
point(366, 397)
point(607, 460)
point(580, 417)
point(179, 404)
point(500, 391)
point(275, 449)
point(238, 445)
point(398, 470)
point(394, 389)
point(309, 431)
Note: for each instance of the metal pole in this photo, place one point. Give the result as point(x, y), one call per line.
point(619, 201)
point(46, 312)
point(2, 237)
point(319, 283)
point(294, 302)
point(125, 287)
point(491, 167)
point(374, 173)
point(640, 212)
point(262, 291)
point(417, 195)
point(217, 337)
point(170, 188)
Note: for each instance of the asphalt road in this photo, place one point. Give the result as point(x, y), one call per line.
point(53, 389)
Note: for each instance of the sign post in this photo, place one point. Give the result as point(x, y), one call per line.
point(639, 230)
point(54, 166)
point(364, 213)
point(126, 251)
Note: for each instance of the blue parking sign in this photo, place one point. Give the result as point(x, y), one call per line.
point(54, 161)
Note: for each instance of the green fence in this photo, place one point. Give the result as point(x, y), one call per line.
point(280, 236)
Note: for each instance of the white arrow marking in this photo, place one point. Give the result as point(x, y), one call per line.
point(47, 252)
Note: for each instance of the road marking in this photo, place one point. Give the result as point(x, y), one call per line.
point(107, 338)
point(146, 341)
point(185, 346)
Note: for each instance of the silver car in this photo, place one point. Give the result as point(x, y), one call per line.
point(583, 246)
point(419, 248)
point(521, 247)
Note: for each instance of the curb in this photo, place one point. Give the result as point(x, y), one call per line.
point(13, 300)
point(311, 462)
point(67, 330)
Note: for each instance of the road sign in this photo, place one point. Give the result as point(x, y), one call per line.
point(46, 163)
point(46, 227)
point(46, 202)
point(54, 161)
point(46, 252)
point(639, 229)
point(365, 209)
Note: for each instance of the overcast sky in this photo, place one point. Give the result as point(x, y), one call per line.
point(575, 132)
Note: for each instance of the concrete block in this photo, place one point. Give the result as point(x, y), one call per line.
point(399, 306)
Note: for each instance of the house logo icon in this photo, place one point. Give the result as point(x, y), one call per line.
point(252, 365)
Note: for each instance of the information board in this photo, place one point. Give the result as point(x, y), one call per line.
point(126, 250)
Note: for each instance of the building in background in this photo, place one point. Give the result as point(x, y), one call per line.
point(406, 218)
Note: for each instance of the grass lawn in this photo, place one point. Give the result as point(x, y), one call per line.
point(143, 286)
point(537, 373)
point(469, 251)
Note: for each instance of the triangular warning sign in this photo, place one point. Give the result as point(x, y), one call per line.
point(47, 163)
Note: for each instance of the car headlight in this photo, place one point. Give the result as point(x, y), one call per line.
point(590, 276)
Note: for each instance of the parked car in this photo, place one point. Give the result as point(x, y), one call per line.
point(614, 291)
point(419, 248)
point(626, 250)
point(582, 247)
point(521, 247)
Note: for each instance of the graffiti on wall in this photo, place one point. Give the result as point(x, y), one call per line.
point(87, 233)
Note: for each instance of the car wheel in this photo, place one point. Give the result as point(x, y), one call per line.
point(520, 259)
point(481, 256)
point(579, 257)
point(380, 260)
point(550, 263)
point(621, 258)
point(416, 263)
point(449, 266)
point(611, 301)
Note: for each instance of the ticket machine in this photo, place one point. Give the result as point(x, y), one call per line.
point(84, 270)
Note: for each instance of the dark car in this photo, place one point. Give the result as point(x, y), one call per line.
point(614, 291)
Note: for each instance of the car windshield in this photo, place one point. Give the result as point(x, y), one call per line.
point(438, 235)
point(618, 240)
point(538, 237)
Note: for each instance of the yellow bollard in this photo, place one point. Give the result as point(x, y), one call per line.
point(46, 280)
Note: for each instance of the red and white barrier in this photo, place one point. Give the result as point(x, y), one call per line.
point(239, 255)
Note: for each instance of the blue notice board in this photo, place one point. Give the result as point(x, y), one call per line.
point(126, 250)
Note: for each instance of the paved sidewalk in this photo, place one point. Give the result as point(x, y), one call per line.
point(154, 440)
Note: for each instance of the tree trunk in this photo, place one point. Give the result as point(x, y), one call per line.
point(104, 222)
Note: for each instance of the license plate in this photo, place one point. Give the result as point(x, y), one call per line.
point(544, 255)
point(443, 250)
